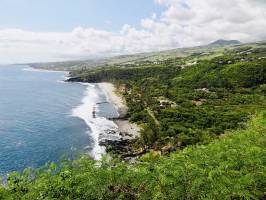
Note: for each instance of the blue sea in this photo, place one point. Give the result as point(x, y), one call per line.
point(44, 119)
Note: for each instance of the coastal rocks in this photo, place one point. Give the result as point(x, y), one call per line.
point(117, 146)
point(119, 140)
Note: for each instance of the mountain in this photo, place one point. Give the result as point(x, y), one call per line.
point(224, 42)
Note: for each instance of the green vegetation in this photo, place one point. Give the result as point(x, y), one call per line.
point(198, 136)
point(233, 167)
point(179, 105)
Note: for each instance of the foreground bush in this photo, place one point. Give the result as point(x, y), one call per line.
point(233, 167)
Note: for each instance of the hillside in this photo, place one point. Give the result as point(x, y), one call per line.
point(193, 103)
point(129, 60)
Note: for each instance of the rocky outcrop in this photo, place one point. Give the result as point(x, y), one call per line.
point(117, 142)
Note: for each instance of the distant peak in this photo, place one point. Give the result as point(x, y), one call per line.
point(222, 42)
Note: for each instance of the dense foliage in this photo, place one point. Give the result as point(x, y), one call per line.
point(179, 105)
point(233, 167)
point(182, 105)
point(130, 73)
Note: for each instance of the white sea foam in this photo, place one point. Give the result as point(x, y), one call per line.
point(61, 81)
point(98, 125)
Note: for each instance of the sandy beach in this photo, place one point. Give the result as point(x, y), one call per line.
point(127, 129)
point(114, 98)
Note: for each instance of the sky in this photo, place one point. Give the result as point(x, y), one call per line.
point(57, 30)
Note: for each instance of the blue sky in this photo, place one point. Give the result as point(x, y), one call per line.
point(64, 15)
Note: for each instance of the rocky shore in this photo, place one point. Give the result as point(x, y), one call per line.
point(118, 141)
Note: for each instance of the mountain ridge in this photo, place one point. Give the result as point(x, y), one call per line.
point(222, 42)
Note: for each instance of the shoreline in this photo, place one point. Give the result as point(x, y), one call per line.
point(109, 134)
point(34, 69)
point(114, 98)
point(96, 125)
point(128, 130)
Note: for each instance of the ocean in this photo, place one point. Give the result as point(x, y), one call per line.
point(44, 119)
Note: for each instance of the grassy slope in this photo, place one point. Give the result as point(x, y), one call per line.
point(233, 167)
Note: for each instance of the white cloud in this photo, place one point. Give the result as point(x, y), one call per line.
point(183, 23)
point(207, 20)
